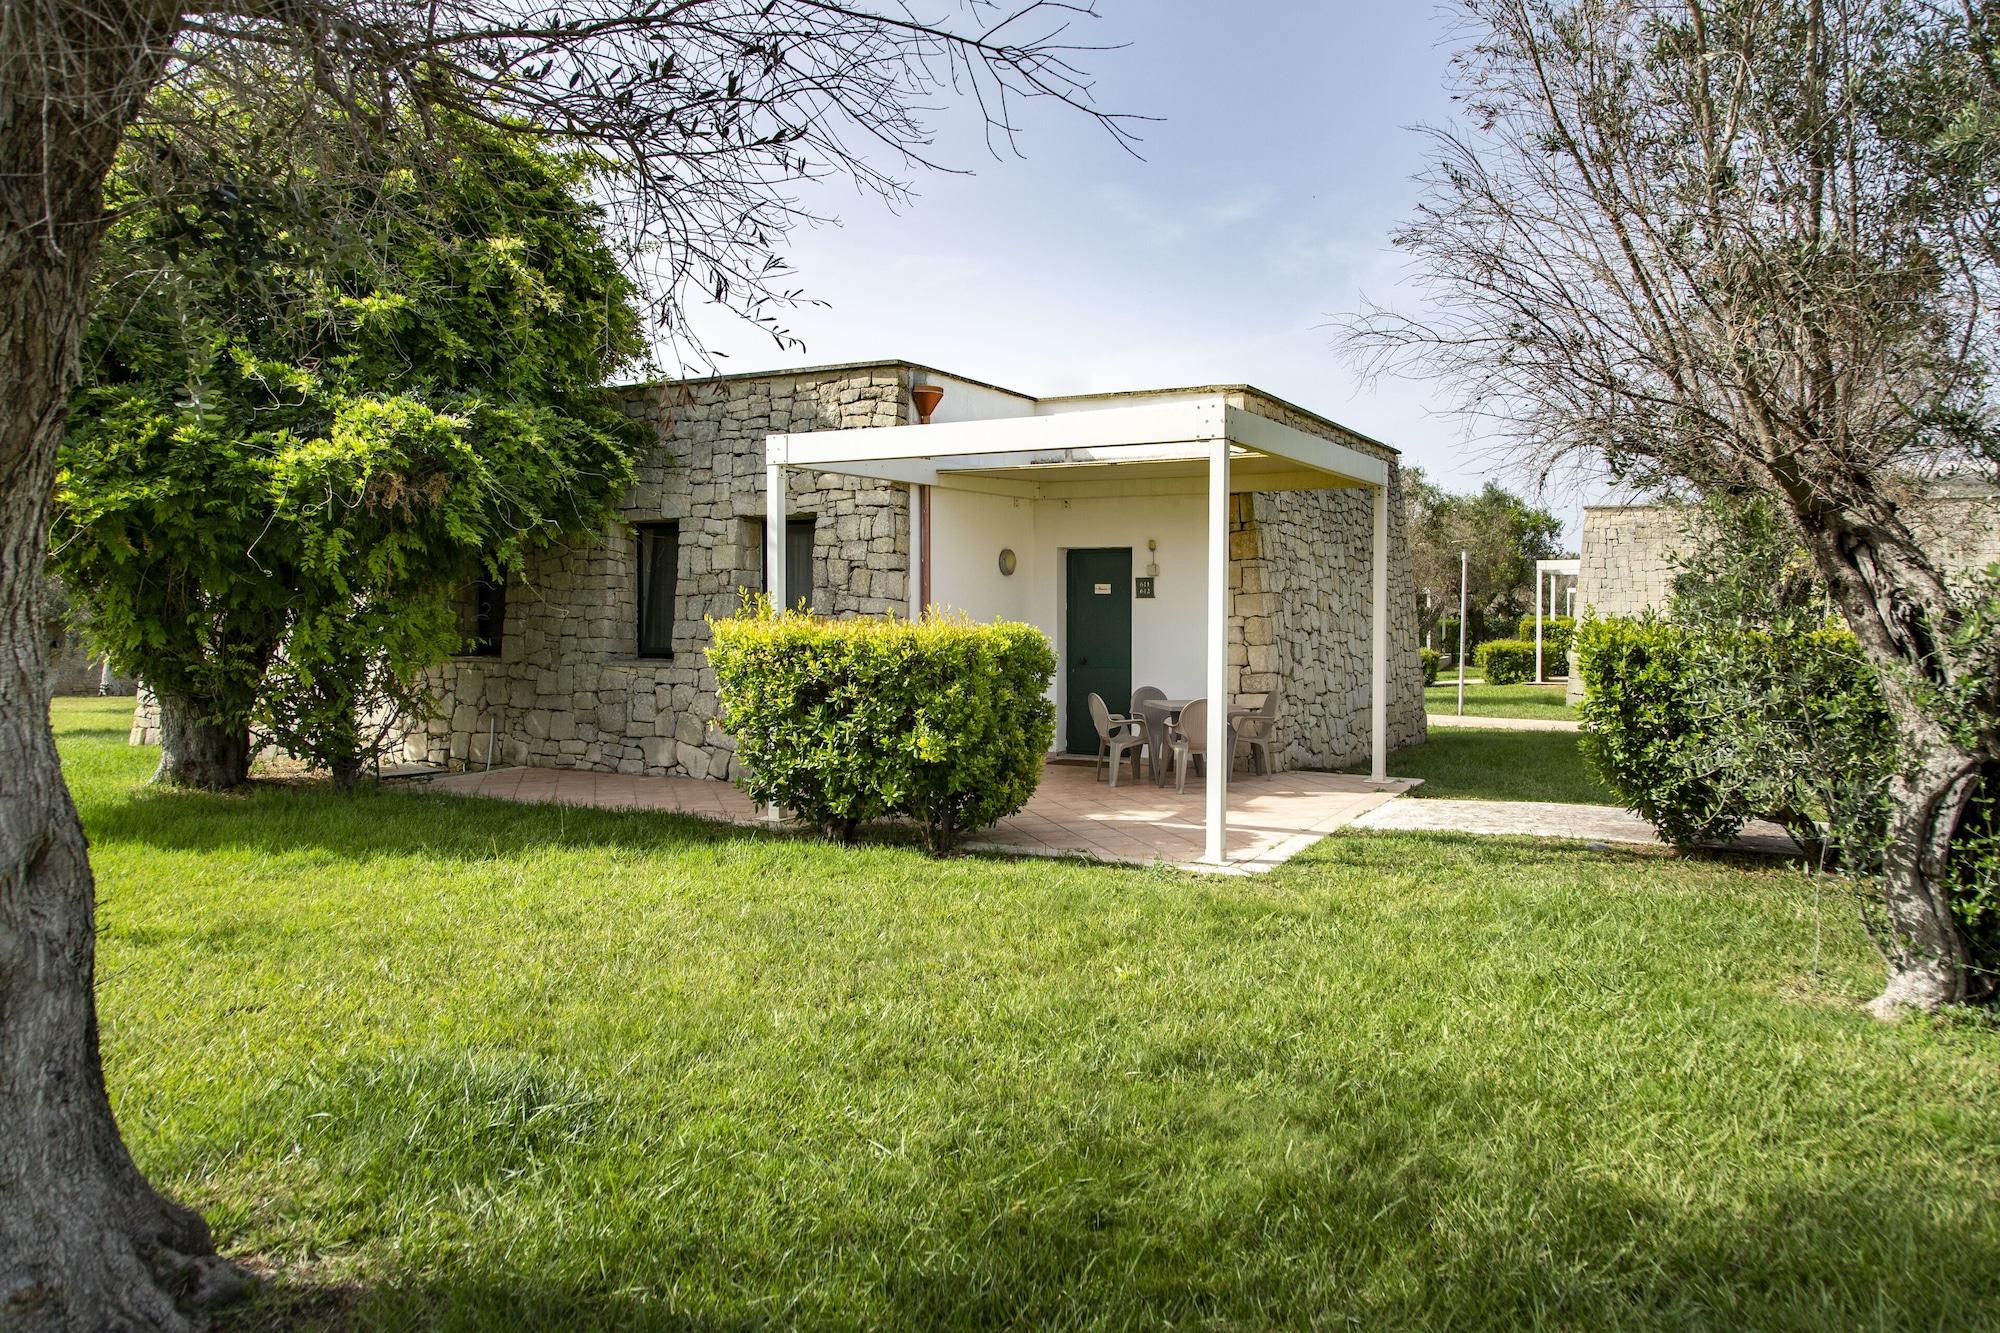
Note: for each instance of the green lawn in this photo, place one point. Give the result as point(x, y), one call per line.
point(1536, 701)
point(1501, 766)
point(463, 1065)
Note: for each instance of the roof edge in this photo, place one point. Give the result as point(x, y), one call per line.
point(918, 367)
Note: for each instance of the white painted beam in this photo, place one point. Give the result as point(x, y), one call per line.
point(1281, 441)
point(774, 534)
point(1115, 483)
point(1220, 750)
point(916, 566)
point(1065, 438)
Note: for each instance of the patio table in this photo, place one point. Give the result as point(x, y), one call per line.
point(1169, 713)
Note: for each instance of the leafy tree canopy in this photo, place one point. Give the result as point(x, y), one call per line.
point(1503, 536)
point(317, 398)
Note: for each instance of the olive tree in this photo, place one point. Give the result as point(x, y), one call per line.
point(705, 115)
point(1750, 245)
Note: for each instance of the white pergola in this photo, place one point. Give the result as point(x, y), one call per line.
point(1547, 572)
point(1188, 446)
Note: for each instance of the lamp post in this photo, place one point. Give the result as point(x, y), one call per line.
point(1462, 567)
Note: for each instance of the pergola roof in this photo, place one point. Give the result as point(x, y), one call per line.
point(1193, 444)
point(1149, 449)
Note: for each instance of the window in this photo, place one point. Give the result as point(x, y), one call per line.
point(798, 561)
point(659, 566)
point(489, 616)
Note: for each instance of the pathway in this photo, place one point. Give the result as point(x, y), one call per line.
point(1548, 819)
point(1469, 722)
point(1072, 813)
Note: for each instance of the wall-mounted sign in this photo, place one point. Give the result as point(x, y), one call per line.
point(1144, 586)
point(1103, 590)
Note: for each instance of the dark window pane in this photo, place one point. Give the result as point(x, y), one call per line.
point(489, 616)
point(799, 562)
point(659, 564)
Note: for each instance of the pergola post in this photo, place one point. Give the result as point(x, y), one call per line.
point(1216, 823)
point(1378, 617)
point(919, 546)
point(1540, 578)
point(774, 534)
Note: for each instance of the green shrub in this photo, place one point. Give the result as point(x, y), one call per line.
point(842, 722)
point(1640, 729)
point(1558, 632)
point(1432, 660)
point(1506, 661)
point(1700, 728)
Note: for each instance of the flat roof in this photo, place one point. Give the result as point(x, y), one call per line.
point(1111, 395)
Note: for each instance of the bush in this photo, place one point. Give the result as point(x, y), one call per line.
point(1558, 633)
point(1640, 733)
point(1432, 659)
point(842, 722)
point(1700, 728)
point(1506, 661)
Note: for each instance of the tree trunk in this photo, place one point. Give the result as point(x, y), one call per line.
point(1923, 945)
point(85, 1242)
point(1902, 611)
point(198, 752)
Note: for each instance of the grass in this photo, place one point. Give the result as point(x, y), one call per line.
point(454, 1064)
point(1532, 701)
point(1470, 764)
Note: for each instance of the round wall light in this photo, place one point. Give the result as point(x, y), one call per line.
point(1007, 562)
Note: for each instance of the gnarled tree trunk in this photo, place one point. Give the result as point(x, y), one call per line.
point(85, 1242)
point(1904, 614)
point(1926, 951)
point(196, 751)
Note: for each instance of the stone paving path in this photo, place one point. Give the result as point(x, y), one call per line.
point(1471, 723)
point(1548, 819)
point(1072, 813)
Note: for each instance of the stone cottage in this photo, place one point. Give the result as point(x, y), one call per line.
point(596, 658)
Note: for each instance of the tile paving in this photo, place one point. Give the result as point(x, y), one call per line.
point(1072, 812)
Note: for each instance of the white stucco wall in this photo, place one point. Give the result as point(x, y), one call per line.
point(970, 530)
point(1168, 648)
point(967, 400)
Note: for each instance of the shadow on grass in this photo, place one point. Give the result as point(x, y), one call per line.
point(97, 733)
point(279, 817)
point(1397, 1223)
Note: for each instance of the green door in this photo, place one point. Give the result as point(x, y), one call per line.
point(1097, 639)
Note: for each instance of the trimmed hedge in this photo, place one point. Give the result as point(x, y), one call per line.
point(1432, 660)
point(1700, 730)
point(1558, 632)
point(1506, 661)
point(842, 722)
point(1640, 730)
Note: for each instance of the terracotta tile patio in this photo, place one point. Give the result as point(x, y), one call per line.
point(1071, 814)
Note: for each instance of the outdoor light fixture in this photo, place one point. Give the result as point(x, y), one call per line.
point(1007, 561)
point(1153, 566)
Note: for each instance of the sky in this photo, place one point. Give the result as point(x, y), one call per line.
point(1259, 210)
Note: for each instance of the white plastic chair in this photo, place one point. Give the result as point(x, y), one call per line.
point(1116, 734)
point(1189, 739)
point(1146, 709)
point(1259, 732)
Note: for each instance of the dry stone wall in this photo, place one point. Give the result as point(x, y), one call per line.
point(1302, 573)
point(1630, 552)
point(568, 689)
point(1626, 562)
